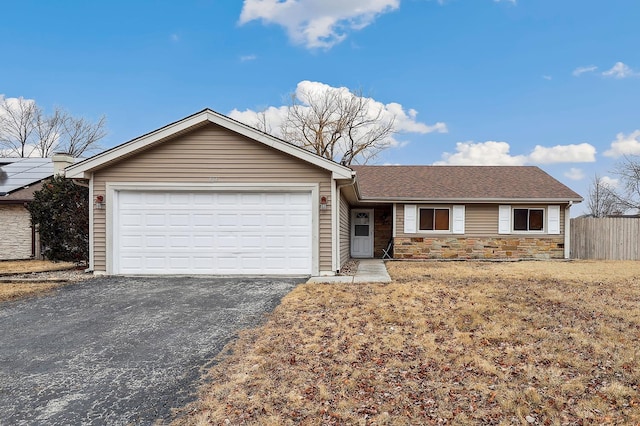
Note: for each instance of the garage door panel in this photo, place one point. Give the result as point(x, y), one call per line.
point(150, 198)
point(177, 199)
point(251, 220)
point(154, 241)
point(154, 219)
point(251, 199)
point(226, 199)
point(227, 220)
point(275, 199)
point(214, 233)
point(203, 219)
point(203, 241)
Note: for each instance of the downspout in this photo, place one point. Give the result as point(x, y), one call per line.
point(567, 230)
point(33, 240)
point(351, 182)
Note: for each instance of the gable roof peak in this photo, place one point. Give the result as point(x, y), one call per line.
point(207, 115)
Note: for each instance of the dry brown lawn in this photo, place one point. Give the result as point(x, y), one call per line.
point(25, 266)
point(548, 343)
point(9, 291)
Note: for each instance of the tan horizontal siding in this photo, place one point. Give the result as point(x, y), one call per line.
point(345, 230)
point(212, 154)
point(480, 220)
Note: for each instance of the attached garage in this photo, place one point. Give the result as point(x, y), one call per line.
point(213, 232)
point(209, 195)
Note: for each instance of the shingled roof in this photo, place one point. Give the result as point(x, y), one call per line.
point(473, 183)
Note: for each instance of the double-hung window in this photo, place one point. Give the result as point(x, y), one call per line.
point(434, 219)
point(528, 219)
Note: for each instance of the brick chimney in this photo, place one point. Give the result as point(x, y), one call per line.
point(60, 162)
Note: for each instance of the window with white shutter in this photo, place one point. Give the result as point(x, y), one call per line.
point(458, 219)
point(410, 218)
point(504, 219)
point(553, 217)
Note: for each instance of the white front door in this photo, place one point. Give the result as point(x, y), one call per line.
point(361, 233)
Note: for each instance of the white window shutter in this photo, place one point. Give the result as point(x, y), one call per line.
point(410, 218)
point(553, 219)
point(458, 220)
point(504, 219)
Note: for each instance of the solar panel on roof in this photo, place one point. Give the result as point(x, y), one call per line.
point(24, 172)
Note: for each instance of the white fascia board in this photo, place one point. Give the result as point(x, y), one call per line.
point(81, 170)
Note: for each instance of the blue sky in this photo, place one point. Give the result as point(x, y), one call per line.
point(553, 83)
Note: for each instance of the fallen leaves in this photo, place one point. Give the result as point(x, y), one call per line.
point(471, 343)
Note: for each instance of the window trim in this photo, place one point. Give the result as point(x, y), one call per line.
point(434, 231)
point(528, 231)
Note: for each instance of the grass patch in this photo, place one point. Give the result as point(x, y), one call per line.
point(446, 343)
point(10, 291)
point(15, 290)
point(26, 266)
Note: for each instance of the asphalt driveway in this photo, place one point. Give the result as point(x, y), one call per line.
point(121, 350)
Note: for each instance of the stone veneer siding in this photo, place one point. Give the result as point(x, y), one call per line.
point(15, 238)
point(479, 247)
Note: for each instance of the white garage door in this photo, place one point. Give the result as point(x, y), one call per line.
point(213, 233)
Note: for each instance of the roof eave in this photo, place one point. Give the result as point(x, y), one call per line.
point(468, 200)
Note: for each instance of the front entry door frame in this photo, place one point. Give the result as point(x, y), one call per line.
point(362, 245)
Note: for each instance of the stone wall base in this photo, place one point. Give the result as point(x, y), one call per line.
point(479, 248)
point(15, 232)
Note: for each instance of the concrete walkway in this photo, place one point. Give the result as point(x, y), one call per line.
point(369, 271)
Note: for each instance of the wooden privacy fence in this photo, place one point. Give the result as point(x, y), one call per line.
point(613, 238)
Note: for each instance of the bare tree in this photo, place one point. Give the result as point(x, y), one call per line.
point(629, 172)
point(262, 123)
point(47, 132)
point(17, 125)
point(80, 136)
point(603, 199)
point(26, 130)
point(340, 125)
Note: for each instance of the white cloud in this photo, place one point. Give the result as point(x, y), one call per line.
point(246, 58)
point(406, 121)
point(273, 115)
point(488, 153)
point(620, 70)
point(317, 23)
point(581, 70)
point(574, 153)
point(625, 145)
point(574, 174)
point(508, 1)
point(609, 181)
point(497, 154)
point(12, 148)
point(174, 37)
point(547, 77)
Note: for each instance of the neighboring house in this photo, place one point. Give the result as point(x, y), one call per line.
point(19, 179)
point(210, 195)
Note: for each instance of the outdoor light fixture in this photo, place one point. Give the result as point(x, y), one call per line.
point(323, 203)
point(99, 203)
